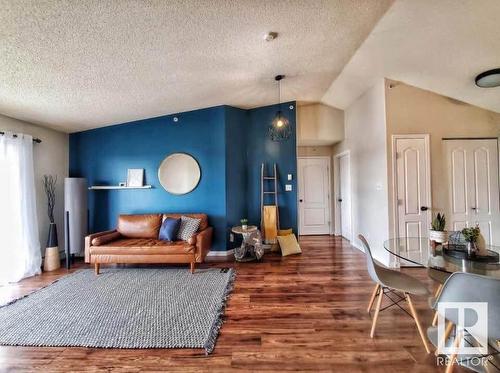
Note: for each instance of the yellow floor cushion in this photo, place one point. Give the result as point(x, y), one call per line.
point(289, 245)
point(284, 232)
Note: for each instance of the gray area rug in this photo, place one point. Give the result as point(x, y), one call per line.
point(122, 308)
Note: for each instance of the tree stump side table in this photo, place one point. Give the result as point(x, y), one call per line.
point(251, 246)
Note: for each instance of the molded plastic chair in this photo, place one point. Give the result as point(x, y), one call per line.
point(440, 277)
point(463, 288)
point(388, 281)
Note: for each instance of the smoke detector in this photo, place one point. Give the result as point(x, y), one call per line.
point(270, 36)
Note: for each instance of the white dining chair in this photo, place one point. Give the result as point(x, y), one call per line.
point(388, 282)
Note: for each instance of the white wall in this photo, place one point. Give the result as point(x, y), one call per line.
point(51, 156)
point(365, 138)
point(319, 125)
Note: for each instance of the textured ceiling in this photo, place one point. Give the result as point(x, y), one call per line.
point(74, 65)
point(438, 45)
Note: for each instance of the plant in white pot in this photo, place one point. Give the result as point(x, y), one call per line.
point(437, 233)
point(244, 224)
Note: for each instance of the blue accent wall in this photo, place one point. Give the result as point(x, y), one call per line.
point(229, 144)
point(260, 149)
point(236, 170)
point(103, 156)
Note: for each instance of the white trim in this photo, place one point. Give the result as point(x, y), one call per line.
point(336, 189)
point(329, 166)
point(224, 253)
point(426, 138)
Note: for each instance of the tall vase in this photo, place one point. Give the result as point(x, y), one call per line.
point(52, 260)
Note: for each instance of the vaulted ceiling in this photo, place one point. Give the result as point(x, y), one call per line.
point(438, 45)
point(73, 65)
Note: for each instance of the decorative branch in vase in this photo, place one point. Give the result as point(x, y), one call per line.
point(51, 260)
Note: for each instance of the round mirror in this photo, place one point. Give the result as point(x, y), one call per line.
point(179, 173)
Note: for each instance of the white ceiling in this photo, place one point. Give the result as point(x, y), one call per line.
point(74, 65)
point(438, 45)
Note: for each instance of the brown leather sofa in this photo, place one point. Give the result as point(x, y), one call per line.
point(135, 240)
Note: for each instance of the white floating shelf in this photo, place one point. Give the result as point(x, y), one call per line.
point(107, 187)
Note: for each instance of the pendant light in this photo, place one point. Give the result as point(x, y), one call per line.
point(279, 130)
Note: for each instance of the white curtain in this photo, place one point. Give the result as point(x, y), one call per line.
point(19, 245)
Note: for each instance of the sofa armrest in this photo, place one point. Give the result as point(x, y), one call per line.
point(88, 242)
point(203, 242)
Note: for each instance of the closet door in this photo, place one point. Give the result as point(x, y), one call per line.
point(473, 186)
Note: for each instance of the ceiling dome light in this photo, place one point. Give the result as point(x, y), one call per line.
point(489, 79)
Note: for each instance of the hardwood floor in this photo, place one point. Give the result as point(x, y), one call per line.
point(304, 312)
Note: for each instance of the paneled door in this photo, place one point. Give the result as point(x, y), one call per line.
point(473, 186)
point(412, 186)
point(314, 195)
point(344, 197)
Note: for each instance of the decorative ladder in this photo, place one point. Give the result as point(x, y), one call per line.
point(263, 192)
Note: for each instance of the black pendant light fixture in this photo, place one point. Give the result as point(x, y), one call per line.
point(489, 79)
point(279, 130)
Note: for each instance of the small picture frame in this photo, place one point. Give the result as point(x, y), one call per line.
point(135, 177)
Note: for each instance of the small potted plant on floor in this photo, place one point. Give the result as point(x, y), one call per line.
point(471, 235)
point(244, 224)
point(437, 233)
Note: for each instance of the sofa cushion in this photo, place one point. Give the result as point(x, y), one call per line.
point(142, 246)
point(139, 226)
point(169, 229)
point(203, 219)
point(189, 227)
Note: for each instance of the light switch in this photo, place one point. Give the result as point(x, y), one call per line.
point(288, 187)
point(289, 177)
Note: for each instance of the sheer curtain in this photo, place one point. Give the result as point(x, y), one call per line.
point(19, 245)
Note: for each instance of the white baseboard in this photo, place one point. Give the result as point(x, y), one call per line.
point(221, 253)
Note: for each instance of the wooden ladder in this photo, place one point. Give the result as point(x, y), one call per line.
point(263, 192)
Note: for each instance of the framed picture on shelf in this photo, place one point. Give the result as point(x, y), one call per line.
point(135, 177)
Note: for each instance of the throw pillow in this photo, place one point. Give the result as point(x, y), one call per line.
point(169, 229)
point(105, 238)
point(189, 226)
point(285, 232)
point(289, 245)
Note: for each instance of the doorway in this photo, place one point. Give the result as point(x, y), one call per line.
point(314, 195)
point(473, 185)
point(411, 185)
point(343, 216)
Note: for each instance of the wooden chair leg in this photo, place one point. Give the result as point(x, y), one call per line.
point(453, 356)
point(192, 267)
point(97, 268)
point(442, 342)
point(377, 310)
point(419, 327)
point(372, 298)
point(436, 295)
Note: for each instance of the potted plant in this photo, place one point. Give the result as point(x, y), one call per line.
point(437, 233)
point(244, 224)
point(471, 235)
point(51, 260)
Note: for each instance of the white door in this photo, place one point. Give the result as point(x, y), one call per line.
point(314, 195)
point(412, 185)
point(473, 186)
point(344, 197)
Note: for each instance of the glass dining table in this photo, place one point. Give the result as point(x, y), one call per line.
point(419, 251)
